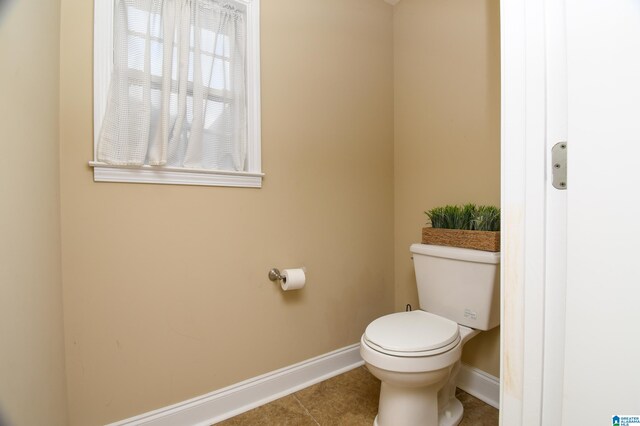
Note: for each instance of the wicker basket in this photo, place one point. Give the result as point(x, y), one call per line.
point(477, 240)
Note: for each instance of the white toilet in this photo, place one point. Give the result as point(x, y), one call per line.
point(416, 354)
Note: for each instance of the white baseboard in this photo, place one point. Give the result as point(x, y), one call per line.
point(483, 386)
point(225, 403)
point(235, 399)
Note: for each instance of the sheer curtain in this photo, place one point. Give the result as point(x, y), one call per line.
point(177, 95)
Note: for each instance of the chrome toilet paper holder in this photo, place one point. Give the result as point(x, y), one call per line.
point(275, 275)
point(289, 279)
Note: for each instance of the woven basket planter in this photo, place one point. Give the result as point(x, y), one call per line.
point(477, 240)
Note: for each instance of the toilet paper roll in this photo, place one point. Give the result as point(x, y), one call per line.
point(293, 279)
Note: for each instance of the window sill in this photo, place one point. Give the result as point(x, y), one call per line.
point(103, 172)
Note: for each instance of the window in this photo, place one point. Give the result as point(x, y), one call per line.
point(176, 92)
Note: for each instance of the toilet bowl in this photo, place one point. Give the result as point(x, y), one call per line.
point(416, 354)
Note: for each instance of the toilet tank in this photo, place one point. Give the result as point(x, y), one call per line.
point(460, 284)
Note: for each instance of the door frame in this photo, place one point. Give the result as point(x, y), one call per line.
point(532, 40)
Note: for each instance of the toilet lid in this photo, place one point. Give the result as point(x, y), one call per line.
point(415, 333)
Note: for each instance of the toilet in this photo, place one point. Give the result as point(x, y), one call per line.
point(416, 354)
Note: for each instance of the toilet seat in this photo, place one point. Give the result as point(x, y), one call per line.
point(412, 334)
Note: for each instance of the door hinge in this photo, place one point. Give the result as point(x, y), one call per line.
point(559, 165)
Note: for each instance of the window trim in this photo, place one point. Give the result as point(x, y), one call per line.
point(102, 69)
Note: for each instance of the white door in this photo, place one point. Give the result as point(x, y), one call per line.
point(602, 341)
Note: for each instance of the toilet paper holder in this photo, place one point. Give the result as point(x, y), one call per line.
point(289, 279)
point(275, 275)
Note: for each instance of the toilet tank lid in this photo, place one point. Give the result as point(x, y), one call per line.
point(457, 253)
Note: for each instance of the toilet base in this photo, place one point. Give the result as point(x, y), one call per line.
point(452, 416)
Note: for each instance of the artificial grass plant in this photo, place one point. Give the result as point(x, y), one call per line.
point(468, 216)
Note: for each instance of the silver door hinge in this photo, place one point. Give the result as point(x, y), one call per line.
point(559, 165)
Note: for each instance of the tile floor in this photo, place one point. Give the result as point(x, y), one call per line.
point(350, 399)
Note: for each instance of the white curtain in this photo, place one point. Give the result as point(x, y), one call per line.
point(177, 95)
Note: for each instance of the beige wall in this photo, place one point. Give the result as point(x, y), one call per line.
point(165, 287)
point(32, 383)
point(447, 127)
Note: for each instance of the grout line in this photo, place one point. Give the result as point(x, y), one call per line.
point(305, 409)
